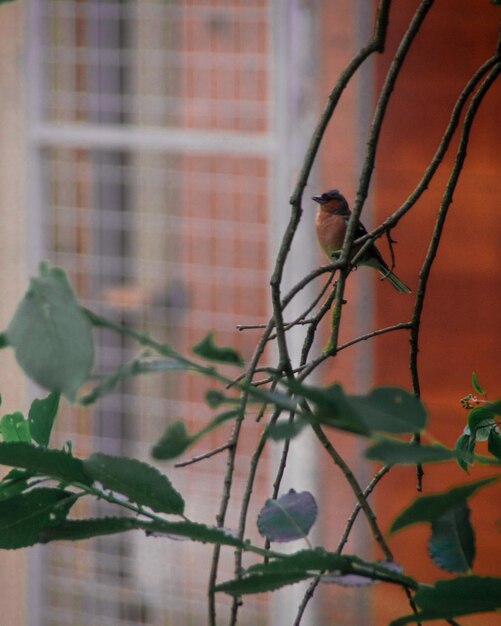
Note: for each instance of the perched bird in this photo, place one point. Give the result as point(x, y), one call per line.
point(332, 217)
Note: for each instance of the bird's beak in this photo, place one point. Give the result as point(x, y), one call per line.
point(318, 199)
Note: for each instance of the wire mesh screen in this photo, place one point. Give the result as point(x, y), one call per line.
point(202, 64)
point(170, 240)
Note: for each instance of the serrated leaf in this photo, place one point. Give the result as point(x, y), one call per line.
point(41, 417)
point(14, 427)
point(259, 583)
point(430, 508)
point(51, 335)
point(207, 349)
point(289, 517)
point(357, 580)
point(53, 463)
point(305, 564)
point(195, 532)
point(75, 530)
point(452, 542)
point(138, 481)
point(405, 453)
point(446, 599)
point(494, 443)
point(476, 385)
point(23, 516)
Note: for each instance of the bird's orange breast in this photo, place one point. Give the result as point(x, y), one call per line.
point(330, 231)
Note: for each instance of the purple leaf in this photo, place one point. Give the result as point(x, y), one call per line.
point(289, 517)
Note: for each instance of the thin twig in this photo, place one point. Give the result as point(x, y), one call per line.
point(375, 45)
point(313, 364)
point(440, 221)
point(367, 492)
point(308, 595)
point(393, 219)
point(437, 234)
point(202, 457)
point(355, 487)
point(368, 166)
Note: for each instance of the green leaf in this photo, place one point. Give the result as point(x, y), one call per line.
point(452, 598)
point(358, 580)
point(476, 385)
point(259, 583)
point(14, 482)
point(41, 417)
point(305, 564)
point(214, 398)
point(207, 349)
point(385, 409)
point(332, 407)
point(494, 443)
point(481, 420)
point(464, 448)
point(430, 508)
point(174, 441)
point(4, 343)
point(392, 451)
point(14, 427)
point(23, 516)
point(134, 368)
point(289, 517)
point(138, 481)
point(51, 335)
point(391, 410)
point(75, 530)
point(285, 429)
point(452, 542)
point(53, 463)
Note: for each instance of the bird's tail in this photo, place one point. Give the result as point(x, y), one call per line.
point(377, 262)
point(394, 280)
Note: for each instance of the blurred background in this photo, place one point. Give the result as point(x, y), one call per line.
point(149, 148)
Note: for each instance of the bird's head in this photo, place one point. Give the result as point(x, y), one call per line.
point(333, 201)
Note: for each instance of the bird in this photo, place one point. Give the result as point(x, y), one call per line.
point(331, 221)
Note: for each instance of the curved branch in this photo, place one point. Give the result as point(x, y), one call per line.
point(441, 217)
